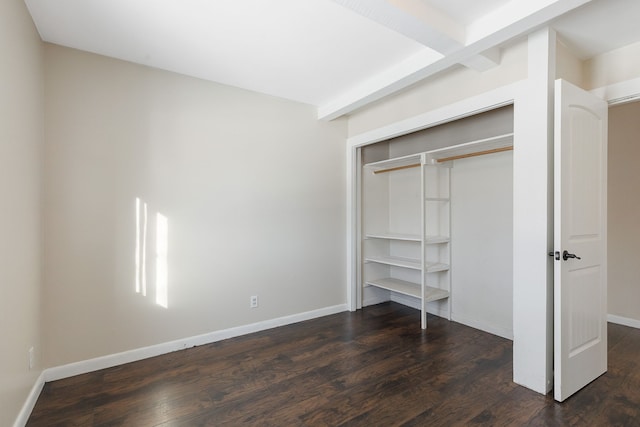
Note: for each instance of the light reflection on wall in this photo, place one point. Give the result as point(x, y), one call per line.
point(161, 239)
point(141, 247)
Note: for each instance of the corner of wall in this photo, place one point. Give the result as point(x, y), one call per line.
point(21, 152)
point(568, 66)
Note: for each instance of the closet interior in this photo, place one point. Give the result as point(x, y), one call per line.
point(436, 209)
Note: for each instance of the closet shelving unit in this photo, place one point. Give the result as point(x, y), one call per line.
point(407, 221)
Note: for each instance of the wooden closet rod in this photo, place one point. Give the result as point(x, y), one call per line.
point(478, 153)
point(448, 159)
point(397, 168)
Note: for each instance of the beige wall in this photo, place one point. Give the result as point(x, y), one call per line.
point(624, 205)
point(442, 89)
point(623, 251)
point(252, 187)
point(568, 66)
point(624, 202)
point(246, 182)
point(613, 67)
point(482, 276)
point(21, 136)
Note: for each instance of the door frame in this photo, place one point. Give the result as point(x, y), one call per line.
point(619, 93)
point(515, 94)
point(624, 92)
point(531, 239)
point(487, 101)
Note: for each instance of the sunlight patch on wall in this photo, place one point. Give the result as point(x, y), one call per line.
point(158, 279)
point(162, 238)
point(141, 247)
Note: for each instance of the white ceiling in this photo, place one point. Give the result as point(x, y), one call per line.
point(335, 54)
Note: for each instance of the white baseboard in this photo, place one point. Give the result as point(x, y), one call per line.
point(30, 403)
point(85, 366)
point(483, 326)
point(623, 321)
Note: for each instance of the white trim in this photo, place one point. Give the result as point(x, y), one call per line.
point(616, 94)
point(515, 19)
point(109, 361)
point(533, 218)
point(85, 366)
point(486, 101)
point(352, 224)
point(502, 96)
point(30, 402)
point(624, 321)
point(619, 93)
point(429, 27)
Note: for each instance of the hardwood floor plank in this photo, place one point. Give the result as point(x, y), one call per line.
point(368, 368)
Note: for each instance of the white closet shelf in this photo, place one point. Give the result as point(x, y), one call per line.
point(396, 261)
point(437, 199)
point(433, 240)
point(394, 236)
point(397, 162)
point(409, 288)
point(434, 267)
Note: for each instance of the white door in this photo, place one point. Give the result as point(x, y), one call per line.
point(580, 239)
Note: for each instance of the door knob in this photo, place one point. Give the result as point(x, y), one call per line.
point(566, 255)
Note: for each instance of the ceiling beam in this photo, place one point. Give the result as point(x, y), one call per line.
point(418, 21)
point(516, 18)
point(484, 61)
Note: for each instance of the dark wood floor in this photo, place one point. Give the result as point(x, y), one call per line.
point(375, 367)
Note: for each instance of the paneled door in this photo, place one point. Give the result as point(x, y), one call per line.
point(580, 239)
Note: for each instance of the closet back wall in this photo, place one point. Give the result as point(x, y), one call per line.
point(151, 175)
point(482, 242)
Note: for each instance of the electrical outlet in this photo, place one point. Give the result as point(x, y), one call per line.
point(30, 358)
point(254, 301)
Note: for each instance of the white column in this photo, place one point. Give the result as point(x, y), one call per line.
point(354, 218)
point(533, 218)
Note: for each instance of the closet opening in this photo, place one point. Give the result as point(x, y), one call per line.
point(436, 221)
